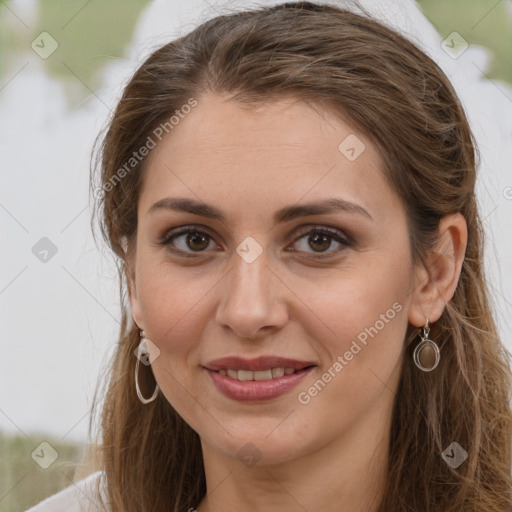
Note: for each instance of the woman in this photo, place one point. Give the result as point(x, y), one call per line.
point(290, 192)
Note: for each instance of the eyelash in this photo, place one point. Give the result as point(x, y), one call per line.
point(322, 230)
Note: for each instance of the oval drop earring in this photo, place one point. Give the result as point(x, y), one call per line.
point(426, 354)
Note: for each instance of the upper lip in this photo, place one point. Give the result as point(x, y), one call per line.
point(259, 363)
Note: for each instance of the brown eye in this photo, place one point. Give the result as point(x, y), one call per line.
point(197, 241)
point(187, 241)
point(320, 240)
point(190, 241)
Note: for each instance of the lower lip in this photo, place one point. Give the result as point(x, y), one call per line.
point(254, 390)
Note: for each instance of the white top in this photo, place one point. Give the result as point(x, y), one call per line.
point(80, 496)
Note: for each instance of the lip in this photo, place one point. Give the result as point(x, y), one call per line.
point(259, 363)
point(255, 391)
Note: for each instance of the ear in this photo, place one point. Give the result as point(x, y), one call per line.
point(435, 285)
point(132, 289)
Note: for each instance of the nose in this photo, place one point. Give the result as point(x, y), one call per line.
point(253, 301)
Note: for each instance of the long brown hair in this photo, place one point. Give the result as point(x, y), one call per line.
point(363, 71)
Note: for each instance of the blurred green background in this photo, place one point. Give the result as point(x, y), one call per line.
point(485, 23)
point(90, 34)
point(23, 483)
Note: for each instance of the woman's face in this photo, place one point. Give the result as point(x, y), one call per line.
point(268, 280)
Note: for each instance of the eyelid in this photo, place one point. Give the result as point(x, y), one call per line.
point(182, 230)
point(166, 239)
point(324, 228)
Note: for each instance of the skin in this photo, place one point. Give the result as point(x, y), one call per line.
point(331, 453)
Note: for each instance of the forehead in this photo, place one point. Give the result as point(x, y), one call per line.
point(282, 152)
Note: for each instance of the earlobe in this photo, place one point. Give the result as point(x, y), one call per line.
point(436, 284)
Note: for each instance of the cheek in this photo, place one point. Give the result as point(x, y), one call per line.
point(165, 293)
point(361, 315)
point(365, 313)
point(172, 303)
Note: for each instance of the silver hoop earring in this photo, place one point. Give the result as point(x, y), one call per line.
point(426, 354)
point(141, 352)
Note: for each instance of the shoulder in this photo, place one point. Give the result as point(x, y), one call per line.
point(81, 496)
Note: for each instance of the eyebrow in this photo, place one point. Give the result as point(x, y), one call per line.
point(285, 214)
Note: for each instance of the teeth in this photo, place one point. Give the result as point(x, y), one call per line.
point(244, 375)
point(277, 372)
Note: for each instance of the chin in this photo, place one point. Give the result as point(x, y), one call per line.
point(260, 449)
